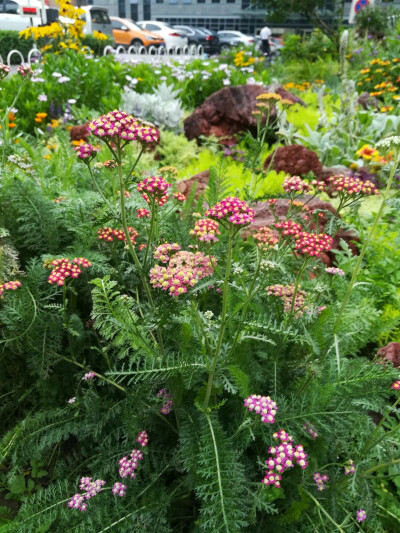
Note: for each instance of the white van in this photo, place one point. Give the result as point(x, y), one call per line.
point(18, 15)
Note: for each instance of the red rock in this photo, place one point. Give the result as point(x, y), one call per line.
point(391, 353)
point(294, 159)
point(229, 111)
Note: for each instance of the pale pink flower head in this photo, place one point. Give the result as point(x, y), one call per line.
point(118, 489)
point(361, 515)
point(262, 405)
point(86, 152)
point(25, 71)
point(320, 480)
point(4, 71)
point(205, 230)
point(346, 185)
point(233, 210)
point(164, 251)
point(295, 184)
point(143, 439)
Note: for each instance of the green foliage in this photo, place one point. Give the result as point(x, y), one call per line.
point(372, 19)
point(96, 45)
point(313, 48)
point(10, 40)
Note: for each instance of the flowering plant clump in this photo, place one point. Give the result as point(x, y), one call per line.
point(320, 480)
point(184, 270)
point(335, 271)
point(109, 234)
point(142, 213)
point(154, 188)
point(90, 488)
point(143, 439)
point(233, 210)
point(296, 184)
point(282, 458)
point(64, 268)
point(310, 429)
point(265, 238)
point(205, 230)
point(293, 302)
point(262, 405)
point(352, 186)
point(86, 151)
point(313, 244)
point(119, 489)
point(127, 466)
point(118, 125)
point(9, 286)
point(349, 469)
point(164, 251)
point(168, 404)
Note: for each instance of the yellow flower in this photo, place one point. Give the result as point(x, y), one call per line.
point(386, 108)
point(353, 166)
point(367, 152)
point(46, 156)
point(364, 71)
point(269, 96)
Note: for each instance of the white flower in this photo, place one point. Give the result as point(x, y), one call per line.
point(42, 98)
point(71, 101)
point(63, 79)
point(391, 143)
point(226, 81)
point(37, 80)
point(72, 400)
point(56, 74)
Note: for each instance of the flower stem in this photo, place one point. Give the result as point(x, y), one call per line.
point(225, 295)
point(367, 241)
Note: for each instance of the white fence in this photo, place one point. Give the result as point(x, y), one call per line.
point(133, 54)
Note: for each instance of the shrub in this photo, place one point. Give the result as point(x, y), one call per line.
point(10, 40)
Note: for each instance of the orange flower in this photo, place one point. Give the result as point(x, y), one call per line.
point(12, 125)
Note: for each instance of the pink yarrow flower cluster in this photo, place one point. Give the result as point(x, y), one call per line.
point(262, 405)
point(119, 489)
point(272, 202)
point(25, 71)
point(395, 385)
point(117, 125)
point(164, 251)
point(127, 466)
point(9, 286)
point(4, 71)
point(91, 488)
point(154, 187)
point(289, 228)
point(352, 186)
point(282, 458)
point(168, 404)
point(86, 152)
point(142, 213)
point(295, 184)
point(265, 238)
point(320, 480)
point(313, 244)
point(361, 515)
point(286, 293)
point(232, 209)
point(88, 376)
point(143, 439)
point(64, 268)
point(349, 469)
point(310, 429)
point(335, 271)
point(205, 230)
point(179, 196)
point(183, 271)
point(109, 234)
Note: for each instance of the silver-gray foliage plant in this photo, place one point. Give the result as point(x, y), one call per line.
point(163, 107)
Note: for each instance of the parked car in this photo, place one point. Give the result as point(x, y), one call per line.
point(198, 36)
point(18, 15)
point(96, 19)
point(230, 38)
point(171, 37)
point(127, 33)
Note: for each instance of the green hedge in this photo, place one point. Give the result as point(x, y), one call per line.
point(10, 40)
